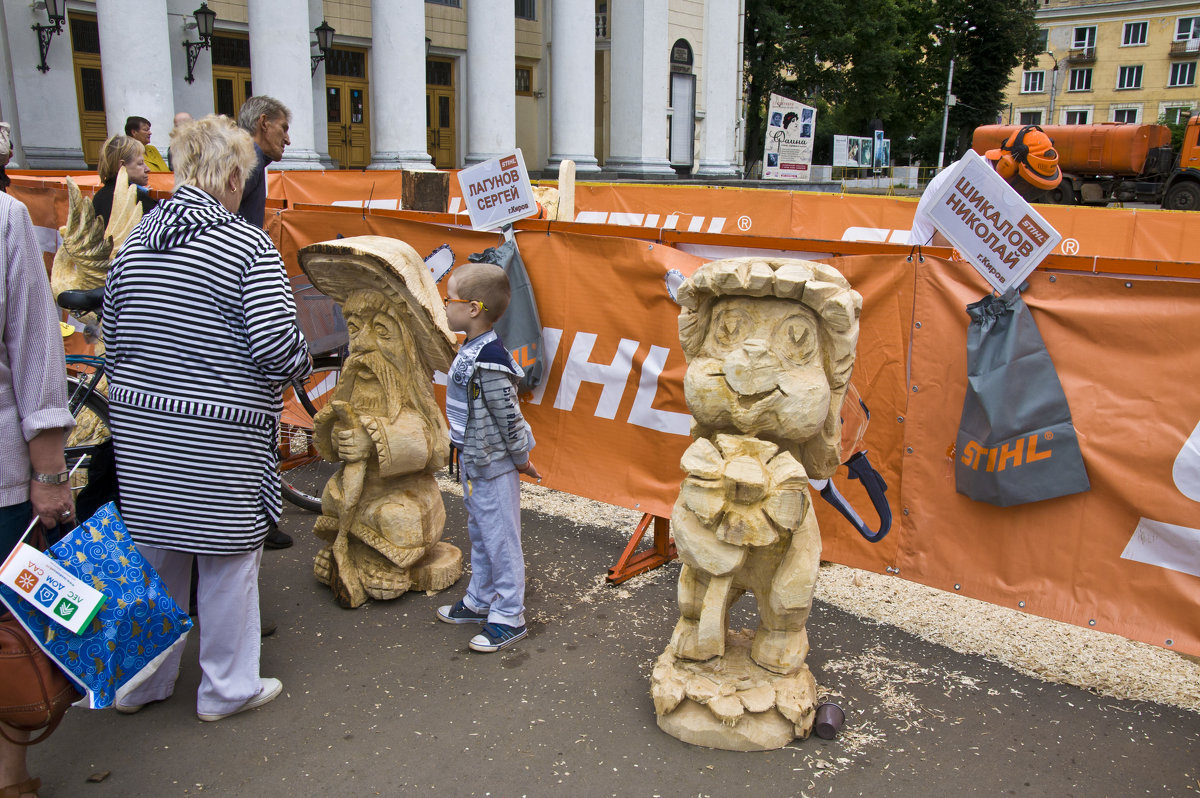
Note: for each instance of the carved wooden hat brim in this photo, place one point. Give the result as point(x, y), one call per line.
point(340, 267)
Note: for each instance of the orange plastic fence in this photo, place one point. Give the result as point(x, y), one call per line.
point(611, 422)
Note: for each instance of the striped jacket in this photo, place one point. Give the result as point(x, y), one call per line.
point(198, 315)
point(497, 437)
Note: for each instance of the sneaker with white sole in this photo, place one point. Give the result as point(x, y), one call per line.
point(495, 636)
point(460, 613)
point(270, 690)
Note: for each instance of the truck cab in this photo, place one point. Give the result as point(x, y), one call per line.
point(1183, 186)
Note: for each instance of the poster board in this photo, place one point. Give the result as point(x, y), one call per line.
point(986, 220)
point(498, 192)
point(788, 148)
point(862, 152)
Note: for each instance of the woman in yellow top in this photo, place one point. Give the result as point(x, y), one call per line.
point(138, 127)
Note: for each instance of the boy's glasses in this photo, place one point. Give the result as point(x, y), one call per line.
point(448, 300)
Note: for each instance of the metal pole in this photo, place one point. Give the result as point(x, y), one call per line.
point(1053, 89)
point(946, 116)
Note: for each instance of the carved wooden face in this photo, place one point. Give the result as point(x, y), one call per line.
point(760, 370)
point(382, 357)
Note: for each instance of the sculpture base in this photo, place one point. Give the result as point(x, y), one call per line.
point(730, 702)
point(438, 569)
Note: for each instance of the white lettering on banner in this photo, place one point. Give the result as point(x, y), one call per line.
point(1170, 545)
point(384, 204)
point(626, 219)
point(1186, 471)
point(643, 413)
point(579, 370)
point(631, 219)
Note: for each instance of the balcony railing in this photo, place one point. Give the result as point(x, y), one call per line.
point(1081, 55)
point(1188, 48)
point(602, 26)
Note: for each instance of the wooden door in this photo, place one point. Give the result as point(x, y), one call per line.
point(348, 117)
point(231, 73)
point(439, 112)
point(231, 88)
point(89, 88)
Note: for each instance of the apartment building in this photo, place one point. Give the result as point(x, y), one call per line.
point(1129, 61)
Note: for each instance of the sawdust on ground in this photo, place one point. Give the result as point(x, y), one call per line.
point(1056, 652)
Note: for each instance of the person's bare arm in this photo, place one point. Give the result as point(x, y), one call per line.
point(51, 503)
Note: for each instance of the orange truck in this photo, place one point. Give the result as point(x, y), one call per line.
point(1114, 162)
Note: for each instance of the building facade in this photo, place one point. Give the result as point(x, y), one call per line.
point(634, 87)
point(1128, 61)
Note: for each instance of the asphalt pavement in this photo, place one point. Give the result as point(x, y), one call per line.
point(385, 700)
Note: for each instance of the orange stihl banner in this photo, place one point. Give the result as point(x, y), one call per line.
point(611, 422)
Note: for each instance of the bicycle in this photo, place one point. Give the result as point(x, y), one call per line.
point(303, 472)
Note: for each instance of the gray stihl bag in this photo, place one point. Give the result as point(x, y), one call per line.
point(1016, 443)
point(519, 328)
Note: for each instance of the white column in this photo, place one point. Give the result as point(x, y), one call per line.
point(398, 85)
point(8, 97)
point(46, 102)
point(280, 67)
point(137, 73)
point(639, 89)
point(491, 79)
point(316, 15)
point(573, 85)
point(721, 57)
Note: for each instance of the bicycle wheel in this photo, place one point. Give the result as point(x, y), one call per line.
point(301, 468)
point(89, 407)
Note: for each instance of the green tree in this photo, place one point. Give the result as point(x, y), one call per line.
point(868, 62)
point(988, 39)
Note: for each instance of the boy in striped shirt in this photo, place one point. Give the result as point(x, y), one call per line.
point(493, 443)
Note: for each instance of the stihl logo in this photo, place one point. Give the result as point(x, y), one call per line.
point(1033, 230)
point(998, 458)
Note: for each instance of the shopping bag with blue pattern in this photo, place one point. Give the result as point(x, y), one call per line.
point(137, 622)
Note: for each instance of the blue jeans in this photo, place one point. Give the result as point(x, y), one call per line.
point(13, 520)
point(497, 584)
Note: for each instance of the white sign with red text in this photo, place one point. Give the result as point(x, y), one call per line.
point(498, 191)
point(988, 222)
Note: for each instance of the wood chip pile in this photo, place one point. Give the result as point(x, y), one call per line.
point(1056, 652)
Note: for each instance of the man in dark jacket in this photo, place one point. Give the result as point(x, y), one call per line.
point(266, 120)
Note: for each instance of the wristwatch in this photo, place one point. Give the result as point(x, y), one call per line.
point(51, 479)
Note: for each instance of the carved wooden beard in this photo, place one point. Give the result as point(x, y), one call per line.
point(373, 384)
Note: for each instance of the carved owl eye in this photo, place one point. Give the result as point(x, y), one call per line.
point(796, 339)
point(730, 326)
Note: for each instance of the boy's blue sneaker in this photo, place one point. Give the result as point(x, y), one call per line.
point(458, 613)
point(496, 636)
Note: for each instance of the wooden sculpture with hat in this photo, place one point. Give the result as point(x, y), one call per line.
point(382, 513)
point(770, 345)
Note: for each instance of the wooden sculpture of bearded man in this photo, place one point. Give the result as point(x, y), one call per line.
point(770, 346)
point(382, 512)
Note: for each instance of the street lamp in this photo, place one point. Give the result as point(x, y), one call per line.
point(205, 17)
point(951, 33)
point(324, 33)
point(56, 10)
point(1053, 88)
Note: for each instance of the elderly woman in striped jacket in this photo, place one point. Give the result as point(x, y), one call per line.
point(200, 327)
